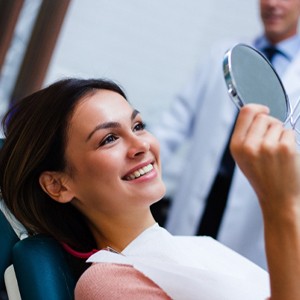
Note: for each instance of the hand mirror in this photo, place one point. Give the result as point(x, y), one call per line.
point(250, 78)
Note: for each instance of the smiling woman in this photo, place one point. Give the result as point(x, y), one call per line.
point(78, 165)
point(106, 144)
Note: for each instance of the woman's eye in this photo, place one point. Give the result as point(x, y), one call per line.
point(109, 139)
point(139, 126)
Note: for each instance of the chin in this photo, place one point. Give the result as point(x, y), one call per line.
point(158, 193)
point(162, 193)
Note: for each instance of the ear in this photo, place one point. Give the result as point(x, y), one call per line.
point(55, 184)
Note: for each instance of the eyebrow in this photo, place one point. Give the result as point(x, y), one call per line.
point(110, 125)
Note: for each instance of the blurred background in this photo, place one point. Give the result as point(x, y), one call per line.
point(149, 47)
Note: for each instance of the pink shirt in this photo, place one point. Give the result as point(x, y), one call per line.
point(115, 281)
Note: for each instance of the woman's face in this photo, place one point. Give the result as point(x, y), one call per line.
point(113, 161)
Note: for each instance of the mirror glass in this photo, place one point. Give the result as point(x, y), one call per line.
point(250, 78)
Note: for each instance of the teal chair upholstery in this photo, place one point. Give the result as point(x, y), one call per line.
point(42, 270)
point(8, 239)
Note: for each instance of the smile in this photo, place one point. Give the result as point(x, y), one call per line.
point(140, 172)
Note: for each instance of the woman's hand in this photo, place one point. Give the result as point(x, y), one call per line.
point(266, 152)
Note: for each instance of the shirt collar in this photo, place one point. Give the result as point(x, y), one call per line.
point(289, 47)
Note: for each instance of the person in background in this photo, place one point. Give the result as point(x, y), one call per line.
point(78, 165)
point(211, 196)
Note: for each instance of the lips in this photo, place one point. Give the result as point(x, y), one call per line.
point(272, 17)
point(139, 172)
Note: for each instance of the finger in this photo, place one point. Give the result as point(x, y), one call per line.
point(243, 124)
point(245, 119)
point(258, 129)
point(272, 136)
point(288, 141)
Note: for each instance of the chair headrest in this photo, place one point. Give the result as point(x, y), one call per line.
point(42, 270)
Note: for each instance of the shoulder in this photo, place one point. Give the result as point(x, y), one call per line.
point(115, 281)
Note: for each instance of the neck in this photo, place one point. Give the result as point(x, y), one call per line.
point(118, 231)
point(277, 38)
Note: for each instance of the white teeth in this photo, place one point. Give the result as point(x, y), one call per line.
point(140, 172)
point(137, 174)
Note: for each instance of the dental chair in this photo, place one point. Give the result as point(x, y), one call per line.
point(42, 270)
point(8, 239)
point(35, 267)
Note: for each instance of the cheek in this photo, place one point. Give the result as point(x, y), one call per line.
point(154, 144)
point(102, 167)
point(155, 148)
point(96, 167)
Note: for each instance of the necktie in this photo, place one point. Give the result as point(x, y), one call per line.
point(217, 197)
point(270, 52)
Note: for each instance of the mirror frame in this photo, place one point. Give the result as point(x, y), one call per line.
point(232, 85)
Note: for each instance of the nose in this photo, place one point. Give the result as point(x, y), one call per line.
point(270, 2)
point(137, 146)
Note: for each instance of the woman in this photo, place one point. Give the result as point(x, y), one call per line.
point(78, 165)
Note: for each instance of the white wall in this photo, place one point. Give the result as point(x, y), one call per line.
point(150, 47)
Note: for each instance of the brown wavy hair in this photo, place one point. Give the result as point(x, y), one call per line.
point(35, 139)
